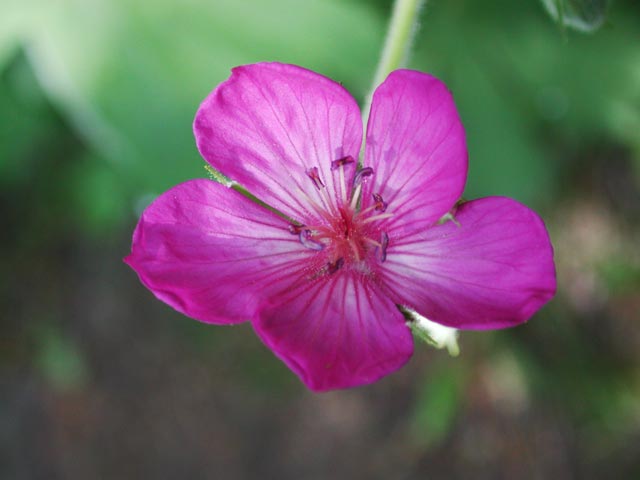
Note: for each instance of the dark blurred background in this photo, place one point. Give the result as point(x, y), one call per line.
point(100, 380)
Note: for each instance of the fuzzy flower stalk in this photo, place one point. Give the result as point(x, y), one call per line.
point(322, 262)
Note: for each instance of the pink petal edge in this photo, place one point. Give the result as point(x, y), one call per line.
point(336, 333)
point(270, 123)
point(493, 269)
point(209, 252)
point(416, 146)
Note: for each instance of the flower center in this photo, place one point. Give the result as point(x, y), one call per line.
point(347, 237)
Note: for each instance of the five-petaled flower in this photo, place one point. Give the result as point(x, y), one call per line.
point(321, 273)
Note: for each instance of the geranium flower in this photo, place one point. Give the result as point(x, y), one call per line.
point(321, 271)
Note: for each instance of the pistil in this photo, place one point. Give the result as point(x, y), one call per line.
point(342, 231)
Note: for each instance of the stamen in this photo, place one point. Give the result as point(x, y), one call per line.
point(362, 175)
point(313, 174)
point(377, 217)
point(380, 205)
point(355, 197)
point(326, 200)
point(368, 209)
point(371, 241)
point(319, 210)
point(333, 267)
point(307, 241)
point(354, 249)
point(295, 229)
point(341, 162)
point(343, 186)
point(381, 252)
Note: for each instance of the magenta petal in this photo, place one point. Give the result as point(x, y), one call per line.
point(338, 332)
point(206, 250)
point(493, 270)
point(269, 124)
point(416, 146)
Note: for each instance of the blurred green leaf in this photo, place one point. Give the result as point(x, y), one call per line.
point(505, 156)
point(12, 18)
point(621, 275)
point(29, 125)
point(99, 195)
point(583, 15)
point(531, 102)
point(131, 74)
point(60, 362)
point(438, 403)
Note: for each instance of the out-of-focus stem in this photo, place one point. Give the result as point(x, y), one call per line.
point(397, 46)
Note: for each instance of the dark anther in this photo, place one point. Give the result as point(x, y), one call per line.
point(307, 241)
point(382, 250)
point(362, 175)
point(333, 267)
point(313, 174)
point(341, 162)
point(295, 229)
point(381, 205)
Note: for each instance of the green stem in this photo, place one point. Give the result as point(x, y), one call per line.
point(395, 53)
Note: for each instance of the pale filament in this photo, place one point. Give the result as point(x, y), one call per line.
point(318, 209)
point(324, 195)
point(372, 241)
point(354, 249)
point(355, 197)
point(368, 209)
point(343, 185)
point(340, 163)
point(377, 217)
point(314, 175)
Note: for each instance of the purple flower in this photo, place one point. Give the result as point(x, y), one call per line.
point(322, 280)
